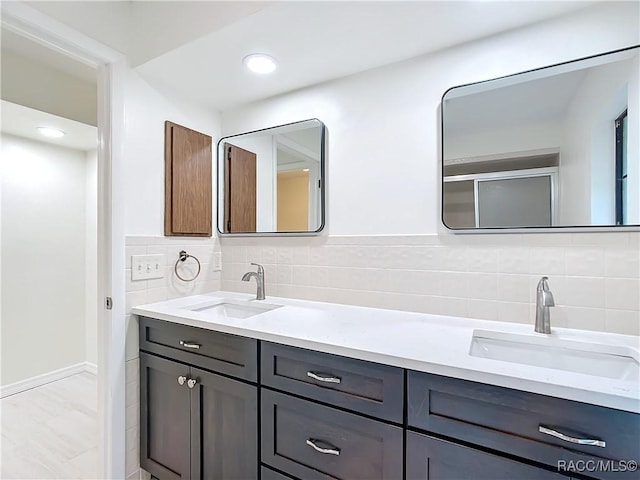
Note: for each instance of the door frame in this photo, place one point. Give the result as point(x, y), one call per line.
point(111, 77)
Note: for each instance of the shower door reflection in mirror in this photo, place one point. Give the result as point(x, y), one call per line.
point(553, 147)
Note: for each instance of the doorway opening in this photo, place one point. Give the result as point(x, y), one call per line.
point(49, 263)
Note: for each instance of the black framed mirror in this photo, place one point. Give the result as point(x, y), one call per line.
point(272, 181)
point(547, 148)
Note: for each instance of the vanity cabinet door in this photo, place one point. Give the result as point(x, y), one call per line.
point(164, 418)
point(433, 459)
point(224, 428)
point(188, 191)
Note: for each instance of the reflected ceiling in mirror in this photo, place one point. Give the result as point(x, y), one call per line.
point(271, 181)
point(553, 147)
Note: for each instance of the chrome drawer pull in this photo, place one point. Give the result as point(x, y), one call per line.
point(567, 438)
point(330, 450)
point(181, 379)
point(195, 346)
point(191, 383)
point(322, 378)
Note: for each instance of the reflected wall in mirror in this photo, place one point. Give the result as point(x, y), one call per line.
point(553, 147)
point(272, 180)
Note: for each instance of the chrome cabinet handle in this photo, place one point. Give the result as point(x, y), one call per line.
point(323, 377)
point(567, 438)
point(191, 383)
point(195, 346)
point(329, 449)
point(181, 379)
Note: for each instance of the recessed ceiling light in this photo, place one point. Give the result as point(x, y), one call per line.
point(51, 132)
point(260, 63)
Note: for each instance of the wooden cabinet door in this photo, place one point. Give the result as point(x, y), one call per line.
point(224, 428)
point(240, 189)
point(188, 198)
point(429, 458)
point(164, 418)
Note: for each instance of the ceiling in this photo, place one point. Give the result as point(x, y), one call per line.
point(319, 41)
point(195, 49)
point(25, 48)
point(506, 103)
point(24, 122)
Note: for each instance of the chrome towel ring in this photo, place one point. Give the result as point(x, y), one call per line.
point(182, 257)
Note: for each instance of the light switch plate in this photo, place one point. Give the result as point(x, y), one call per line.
point(217, 261)
point(145, 267)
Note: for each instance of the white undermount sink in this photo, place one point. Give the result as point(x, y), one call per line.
point(609, 361)
point(232, 308)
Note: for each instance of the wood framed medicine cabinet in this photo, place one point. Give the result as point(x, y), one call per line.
point(188, 184)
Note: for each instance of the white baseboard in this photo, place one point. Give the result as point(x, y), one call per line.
point(91, 368)
point(33, 382)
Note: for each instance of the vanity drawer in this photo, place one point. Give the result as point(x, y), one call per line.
point(430, 458)
point(365, 387)
point(312, 441)
point(221, 352)
point(268, 474)
point(510, 421)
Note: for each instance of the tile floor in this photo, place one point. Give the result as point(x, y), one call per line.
point(51, 432)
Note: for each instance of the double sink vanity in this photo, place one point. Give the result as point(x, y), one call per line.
point(280, 389)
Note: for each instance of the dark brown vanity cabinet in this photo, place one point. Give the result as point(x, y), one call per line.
point(196, 424)
point(209, 412)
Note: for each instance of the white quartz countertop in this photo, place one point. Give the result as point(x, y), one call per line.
point(428, 343)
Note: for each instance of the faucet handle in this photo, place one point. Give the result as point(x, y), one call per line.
point(260, 268)
point(547, 299)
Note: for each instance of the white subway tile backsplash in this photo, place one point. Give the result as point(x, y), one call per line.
point(514, 260)
point(131, 371)
point(514, 312)
point(485, 276)
point(483, 309)
point(284, 274)
point(300, 275)
point(454, 284)
point(132, 334)
point(623, 293)
point(622, 262)
point(626, 322)
point(587, 262)
point(483, 286)
point(515, 288)
point(547, 261)
point(579, 291)
point(135, 298)
point(133, 285)
point(580, 318)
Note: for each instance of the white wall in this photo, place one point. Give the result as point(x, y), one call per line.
point(91, 264)
point(44, 192)
point(384, 125)
point(41, 87)
point(517, 138)
point(142, 193)
point(587, 181)
point(146, 110)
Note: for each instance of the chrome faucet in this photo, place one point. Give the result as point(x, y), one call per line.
point(544, 300)
point(259, 276)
